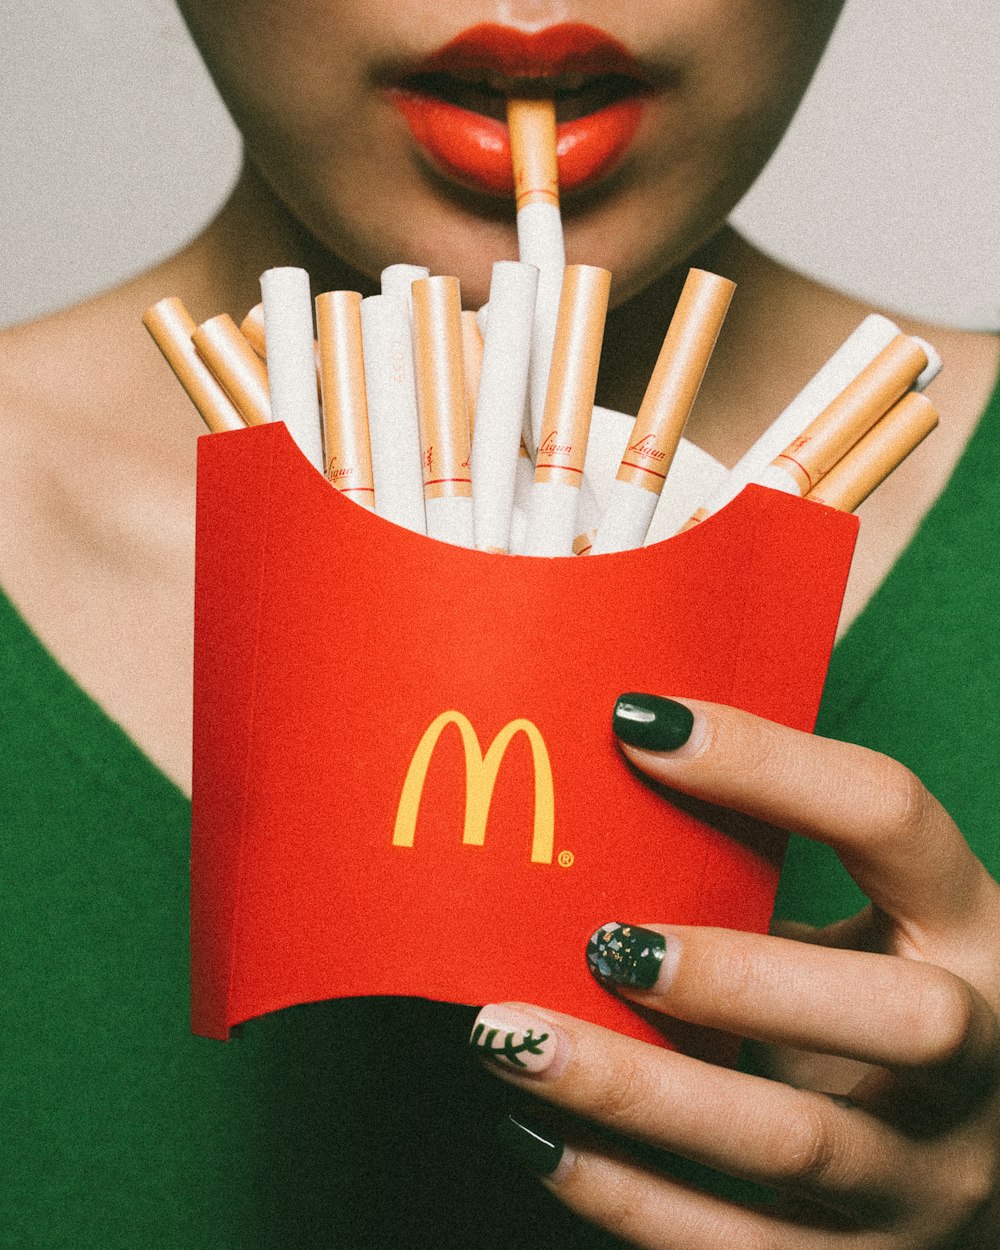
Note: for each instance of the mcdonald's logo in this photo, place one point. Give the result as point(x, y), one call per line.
point(480, 778)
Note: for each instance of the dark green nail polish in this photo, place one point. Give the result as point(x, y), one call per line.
point(537, 1148)
point(626, 955)
point(653, 723)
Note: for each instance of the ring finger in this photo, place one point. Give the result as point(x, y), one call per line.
point(773, 1134)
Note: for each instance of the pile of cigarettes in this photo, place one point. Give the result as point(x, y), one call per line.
point(473, 428)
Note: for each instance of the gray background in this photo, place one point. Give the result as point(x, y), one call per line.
point(114, 149)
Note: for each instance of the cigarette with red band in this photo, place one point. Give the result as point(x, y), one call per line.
point(857, 351)
point(798, 468)
point(666, 406)
point(532, 125)
point(442, 410)
point(870, 461)
point(569, 406)
point(171, 326)
point(345, 402)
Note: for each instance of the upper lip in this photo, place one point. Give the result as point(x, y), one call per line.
point(556, 58)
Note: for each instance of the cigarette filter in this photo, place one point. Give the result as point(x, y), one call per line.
point(252, 329)
point(239, 370)
point(392, 411)
point(472, 364)
point(870, 461)
point(171, 327)
point(666, 406)
point(503, 390)
point(397, 279)
point(442, 410)
point(532, 125)
point(345, 402)
point(291, 358)
point(569, 405)
point(851, 415)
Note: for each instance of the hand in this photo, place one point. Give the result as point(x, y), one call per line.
point(896, 1008)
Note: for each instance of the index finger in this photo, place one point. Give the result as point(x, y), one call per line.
point(892, 835)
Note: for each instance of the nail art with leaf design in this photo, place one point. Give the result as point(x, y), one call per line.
point(513, 1039)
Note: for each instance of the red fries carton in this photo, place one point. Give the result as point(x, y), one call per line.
point(405, 777)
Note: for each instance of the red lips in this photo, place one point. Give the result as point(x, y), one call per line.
point(454, 101)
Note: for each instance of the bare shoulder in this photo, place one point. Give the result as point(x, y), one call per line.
point(97, 461)
point(86, 410)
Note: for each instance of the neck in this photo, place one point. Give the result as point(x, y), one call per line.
point(220, 270)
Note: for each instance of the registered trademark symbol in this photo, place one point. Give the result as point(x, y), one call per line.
point(565, 859)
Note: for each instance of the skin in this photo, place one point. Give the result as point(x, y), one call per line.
point(97, 447)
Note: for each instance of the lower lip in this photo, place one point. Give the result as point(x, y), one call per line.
point(475, 150)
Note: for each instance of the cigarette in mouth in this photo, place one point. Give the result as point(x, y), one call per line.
point(532, 126)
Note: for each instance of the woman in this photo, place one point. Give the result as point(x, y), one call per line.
point(125, 1131)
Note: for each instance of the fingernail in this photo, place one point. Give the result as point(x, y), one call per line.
point(537, 1148)
point(651, 722)
point(514, 1039)
point(624, 954)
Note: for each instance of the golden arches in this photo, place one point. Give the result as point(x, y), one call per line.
point(480, 779)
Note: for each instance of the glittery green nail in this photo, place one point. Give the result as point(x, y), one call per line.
point(626, 955)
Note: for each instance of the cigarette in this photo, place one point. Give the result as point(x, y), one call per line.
point(482, 318)
point(870, 461)
point(666, 406)
point(252, 329)
point(532, 126)
point(851, 415)
point(171, 327)
point(345, 402)
point(472, 365)
point(291, 358)
point(238, 369)
point(392, 411)
point(524, 480)
point(398, 279)
point(503, 389)
point(442, 410)
point(569, 406)
point(855, 353)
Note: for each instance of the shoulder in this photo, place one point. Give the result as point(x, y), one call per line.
point(88, 412)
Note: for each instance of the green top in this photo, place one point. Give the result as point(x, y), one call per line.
point(351, 1124)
